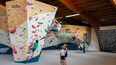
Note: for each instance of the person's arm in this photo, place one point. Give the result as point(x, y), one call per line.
point(33, 41)
point(54, 20)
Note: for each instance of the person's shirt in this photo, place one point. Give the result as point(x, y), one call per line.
point(35, 45)
point(62, 52)
point(59, 26)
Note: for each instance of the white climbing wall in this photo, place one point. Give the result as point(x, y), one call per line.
point(94, 45)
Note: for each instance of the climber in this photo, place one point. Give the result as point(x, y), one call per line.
point(34, 44)
point(55, 30)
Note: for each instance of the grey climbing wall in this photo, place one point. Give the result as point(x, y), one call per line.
point(107, 39)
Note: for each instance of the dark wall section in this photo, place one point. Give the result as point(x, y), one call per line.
point(70, 46)
point(107, 40)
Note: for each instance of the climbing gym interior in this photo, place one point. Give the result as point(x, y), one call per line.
point(58, 32)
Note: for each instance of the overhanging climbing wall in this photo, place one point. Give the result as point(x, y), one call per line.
point(82, 33)
point(26, 19)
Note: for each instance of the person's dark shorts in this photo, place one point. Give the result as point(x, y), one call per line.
point(62, 57)
point(33, 49)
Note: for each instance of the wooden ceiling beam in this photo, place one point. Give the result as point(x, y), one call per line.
point(3, 4)
point(76, 9)
point(113, 2)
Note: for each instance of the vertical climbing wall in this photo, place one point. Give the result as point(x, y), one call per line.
point(26, 19)
point(4, 35)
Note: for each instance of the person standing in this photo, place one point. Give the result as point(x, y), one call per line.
point(83, 47)
point(66, 51)
point(62, 56)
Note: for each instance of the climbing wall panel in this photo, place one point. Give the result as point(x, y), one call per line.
point(26, 20)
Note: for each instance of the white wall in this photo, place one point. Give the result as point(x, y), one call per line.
point(94, 45)
point(108, 27)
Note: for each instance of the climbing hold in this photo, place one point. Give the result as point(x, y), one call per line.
point(33, 26)
point(21, 47)
point(47, 14)
point(31, 7)
point(20, 26)
point(33, 31)
point(11, 20)
point(29, 3)
point(36, 19)
point(18, 4)
point(8, 14)
point(30, 45)
point(30, 18)
point(13, 48)
point(24, 28)
point(41, 23)
point(37, 25)
point(40, 9)
point(25, 9)
point(27, 59)
point(21, 35)
point(35, 13)
point(13, 30)
point(77, 28)
point(8, 9)
point(21, 12)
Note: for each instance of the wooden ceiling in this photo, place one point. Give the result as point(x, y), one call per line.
point(102, 11)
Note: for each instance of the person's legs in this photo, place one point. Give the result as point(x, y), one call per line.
point(29, 49)
point(33, 52)
point(65, 62)
point(83, 49)
point(61, 62)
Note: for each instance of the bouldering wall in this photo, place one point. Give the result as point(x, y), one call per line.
point(4, 36)
point(26, 20)
point(82, 34)
point(107, 39)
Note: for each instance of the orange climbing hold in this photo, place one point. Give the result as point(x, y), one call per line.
point(13, 30)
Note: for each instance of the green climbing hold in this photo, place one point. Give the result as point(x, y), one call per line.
point(40, 9)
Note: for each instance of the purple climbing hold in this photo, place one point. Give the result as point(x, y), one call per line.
point(21, 35)
point(21, 47)
point(24, 28)
point(25, 9)
point(30, 18)
point(29, 3)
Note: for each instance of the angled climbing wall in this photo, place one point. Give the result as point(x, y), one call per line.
point(82, 33)
point(26, 20)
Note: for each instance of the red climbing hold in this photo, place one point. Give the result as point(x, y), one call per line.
point(33, 31)
point(30, 45)
point(41, 23)
point(33, 26)
point(13, 30)
point(77, 28)
point(76, 42)
point(36, 19)
point(12, 54)
point(27, 59)
point(77, 35)
point(14, 50)
point(37, 25)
